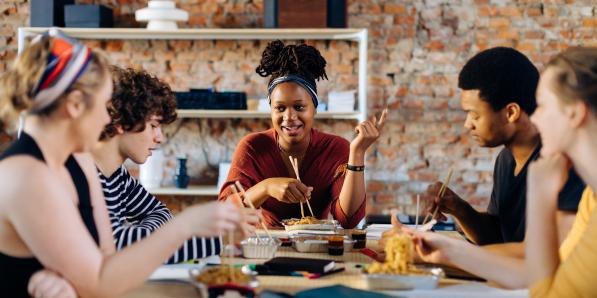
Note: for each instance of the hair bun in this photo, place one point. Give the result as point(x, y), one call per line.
point(269, 63)
point(300, 59)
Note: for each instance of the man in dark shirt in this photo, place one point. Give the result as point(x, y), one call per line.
point(498, 94)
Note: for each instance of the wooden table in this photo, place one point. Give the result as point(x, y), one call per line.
point(352, 277)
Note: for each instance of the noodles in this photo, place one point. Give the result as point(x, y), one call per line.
point(398, 257)
point(307, 220)
point(221, 275)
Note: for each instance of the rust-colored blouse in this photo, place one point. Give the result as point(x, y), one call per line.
point(257, 157)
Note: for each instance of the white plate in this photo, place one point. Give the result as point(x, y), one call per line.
point(326, 225)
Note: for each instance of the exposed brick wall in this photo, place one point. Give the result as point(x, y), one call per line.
point(416, 49)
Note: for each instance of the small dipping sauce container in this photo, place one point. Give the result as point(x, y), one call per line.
point(336, 245)
point(360, 236)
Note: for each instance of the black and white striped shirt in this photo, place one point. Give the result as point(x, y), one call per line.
point(135, 214)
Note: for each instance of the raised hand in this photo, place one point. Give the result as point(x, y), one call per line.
point(367, 133)
point(546, 177)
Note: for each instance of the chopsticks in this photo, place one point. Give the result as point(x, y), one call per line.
point(417, 212)
point(294, 162)
point(242, 189)
point(231, 254)
point(237, 196)
point(440, 194)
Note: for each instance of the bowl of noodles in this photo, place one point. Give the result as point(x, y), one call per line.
point(309, 223)
point(213, 280)
point(398, 271)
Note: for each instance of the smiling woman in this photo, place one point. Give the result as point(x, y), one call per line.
point(51, 200)
point(331, 168)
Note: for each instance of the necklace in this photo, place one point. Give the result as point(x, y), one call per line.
point(287, 154)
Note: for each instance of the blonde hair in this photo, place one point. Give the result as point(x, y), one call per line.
point(576, 76)
point(17, 85)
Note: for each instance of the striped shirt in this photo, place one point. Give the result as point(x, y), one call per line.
point(135, 214)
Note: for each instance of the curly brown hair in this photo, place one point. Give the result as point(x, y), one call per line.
point(137, 97)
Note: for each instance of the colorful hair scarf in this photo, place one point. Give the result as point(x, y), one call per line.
point(308, 85)
point(67, 61)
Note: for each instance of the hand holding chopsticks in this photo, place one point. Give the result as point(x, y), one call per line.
point(242, 193)
point(440, 195)
point(294, 162)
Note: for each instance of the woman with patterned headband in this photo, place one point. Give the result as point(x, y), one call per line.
point(331, 169)
point(52, 211)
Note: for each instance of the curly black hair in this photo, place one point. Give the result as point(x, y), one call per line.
point(298, 59)
point(136, 98)
point(502, 75)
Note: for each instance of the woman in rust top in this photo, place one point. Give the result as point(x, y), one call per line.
point(331, 169)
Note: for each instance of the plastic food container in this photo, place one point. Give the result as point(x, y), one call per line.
point(322, 225)
point(405, 281)
point(262, 248)
point(317, 244)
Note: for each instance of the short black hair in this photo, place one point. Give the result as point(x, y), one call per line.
point(502, 75)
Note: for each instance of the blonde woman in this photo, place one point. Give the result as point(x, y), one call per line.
point(52, 210)
point(566, 117)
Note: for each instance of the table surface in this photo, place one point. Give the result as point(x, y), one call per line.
point(351, 277)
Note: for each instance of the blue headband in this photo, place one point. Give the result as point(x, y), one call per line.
point(306, 84)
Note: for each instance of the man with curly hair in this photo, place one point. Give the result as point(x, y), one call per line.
point(140, 104)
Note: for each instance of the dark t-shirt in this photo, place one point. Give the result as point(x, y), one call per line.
point(508, 198)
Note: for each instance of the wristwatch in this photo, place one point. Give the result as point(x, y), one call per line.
point(355, 168)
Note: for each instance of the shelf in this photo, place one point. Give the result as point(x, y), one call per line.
point(357, 35)
point(193, 190)
point(186, 113)
point(207, 34)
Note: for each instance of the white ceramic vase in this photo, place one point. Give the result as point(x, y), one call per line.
point(161, 15)
point(152, 171)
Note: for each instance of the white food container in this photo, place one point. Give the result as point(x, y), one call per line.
point(317, 244)
point(404, 281)
point(263, 248)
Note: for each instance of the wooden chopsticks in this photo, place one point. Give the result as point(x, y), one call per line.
point(440, 194)
point(294, 163)
point(242, 189)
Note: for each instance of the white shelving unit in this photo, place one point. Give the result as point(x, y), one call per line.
point(255, 114)
point(192, 190)
point(357, 35)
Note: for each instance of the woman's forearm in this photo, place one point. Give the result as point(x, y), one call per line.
point(353, 190)
point(541, 240)
point(507, 271)
point(135, 262)
point(258, 193)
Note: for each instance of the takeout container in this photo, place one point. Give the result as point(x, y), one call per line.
point(405, 281)
point(204, 289)
point(259, 248)
point(315, 244)
point(325, 225)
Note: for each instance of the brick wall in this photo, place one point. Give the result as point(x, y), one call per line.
point(416, 49)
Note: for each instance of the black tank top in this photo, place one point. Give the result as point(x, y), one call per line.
point(14, 271)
